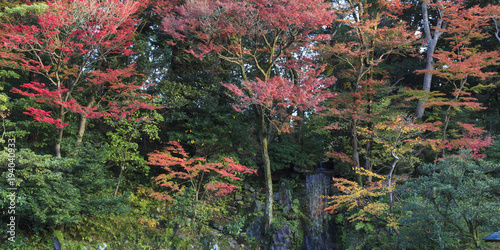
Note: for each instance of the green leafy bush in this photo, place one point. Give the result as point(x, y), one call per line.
point(53, 192)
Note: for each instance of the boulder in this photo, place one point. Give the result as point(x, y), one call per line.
point(282, 238)
point(285, 197)
point(256, 228)
point(238, 197)
point(257, 206)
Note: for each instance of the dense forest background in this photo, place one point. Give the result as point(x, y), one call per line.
point(171, 124)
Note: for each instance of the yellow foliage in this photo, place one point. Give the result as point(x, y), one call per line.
point(363, 201)
point(367, 173)
point(147, 221)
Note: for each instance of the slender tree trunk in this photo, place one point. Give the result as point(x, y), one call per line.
point(83, 123)
point(269, 184)
point(431, 47)
point(389, 180)
point(368, 163)
point(60, 133)
point(3, 126)
point(355, 148)
point(449, 112)
point(81, 129)
point(267, 170)
point(495, 21)
point(58, 142)
point(119, 181)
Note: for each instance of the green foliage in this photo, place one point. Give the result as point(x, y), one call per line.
point(29, 133)
point(36, 241)
point(46, 199)
point(21, 10)
point(91, 175)
point(287, 153)
point(142, 204)
point(124, 147)
point(55, 192)
point(493, 151)
point(184, 211)
point(452, 206)
point(6, 104)
point(69, 244)
point(122, 232)
point(235, 227)
point(123, 139)
point(4, 99)
point(299, 149)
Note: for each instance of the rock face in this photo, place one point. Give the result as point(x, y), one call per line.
point(282, 239)
point(256, 229)
point(238, 197)
point(257, 206)
point(285, 198)
point(216, 225)
point(316, 234)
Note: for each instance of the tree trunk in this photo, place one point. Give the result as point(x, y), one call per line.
point(269, 184)
point(81, 129)
point(58, 142)
point(267, 170)
point(431, 47)
point(119, 181)
point(60, 133)
point(495, 22)
point(368, 163)
point(83, 123)
point(389, 180)
point(449, 111)
point(355, 148)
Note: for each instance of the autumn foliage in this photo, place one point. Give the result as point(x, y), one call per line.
point(360, 200)
point(66, 47)
point(271, 43)
point(374, 32)
point(264, 34)
point(394, 137)
point(194, 170)
point(459, 64)
point(224, 26)
point(278, 95)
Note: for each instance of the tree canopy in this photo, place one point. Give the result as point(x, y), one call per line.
point(182, 116)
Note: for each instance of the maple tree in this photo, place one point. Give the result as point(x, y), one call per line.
point(364, 201)
point(179, 166)
point(458, 65)
point(374, 33)
point(69, 46)
point(269, 41)
point(397, 138)
point(397, 134)
point(454, 18)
